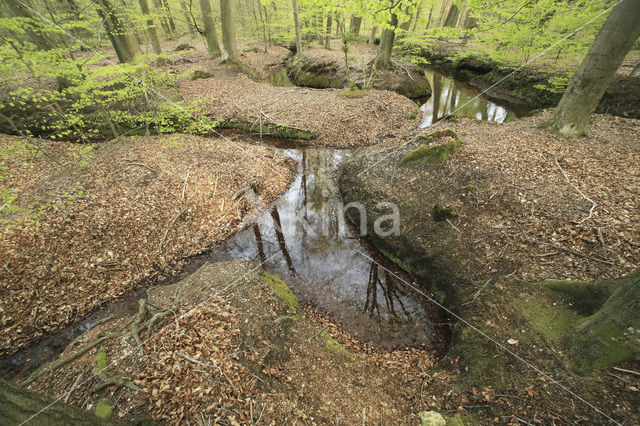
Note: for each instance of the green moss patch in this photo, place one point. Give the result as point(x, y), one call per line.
point(352, 93)
point(442, 212)
point(104, 410)
point(438, 153)
point(101, 361)
point(333, 345)
point(283, 292)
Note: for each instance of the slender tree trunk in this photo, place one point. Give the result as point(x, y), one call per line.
point(296, 23)
point(211, 37)
point(588, 84)
point(125, 44)
point(355, 24)
point(327, 36)
point(372, 36)
point(417, 16)
point(187, 18)
point(172, 24)
point(151, 29)
point(18, 405)
point(157, 5)
point(429, 18)
point(383, 57)
point(228, 32)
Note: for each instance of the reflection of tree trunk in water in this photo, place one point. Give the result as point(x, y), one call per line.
point(447, 103)
point(387, 289)
point(280, 237)
point(371, 303)
point(256, 231)
point(495, 112)
point(436, 86)
point(304, 182)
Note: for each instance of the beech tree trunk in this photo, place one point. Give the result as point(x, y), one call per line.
point(383, 57)
point(187, 18)
point(372, 36)
point(327, 36)
point(123, 41)
point(296, 24)
point(172, 24)
point(211, 37)
point(157, 4)
point(151, 29)
point(588, 84)
point(611, 333)
point(230, 54)
point(355, 24)
point(17, 405)
point(35, 32)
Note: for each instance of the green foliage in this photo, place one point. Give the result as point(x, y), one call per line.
point(437, 153)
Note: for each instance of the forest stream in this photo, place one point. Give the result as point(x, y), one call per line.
point(304, 238)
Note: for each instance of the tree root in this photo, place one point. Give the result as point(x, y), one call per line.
point(117, 381)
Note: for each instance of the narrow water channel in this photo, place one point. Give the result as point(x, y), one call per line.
point(304, 239)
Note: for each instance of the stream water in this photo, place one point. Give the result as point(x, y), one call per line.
point(304, 239)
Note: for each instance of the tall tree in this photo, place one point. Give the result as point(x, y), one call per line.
point(119, 29)
point(35, 31)
point(213, 47)
point(588, 84)
point(296, 23)
point(355, 24)
point(187, 18)
point(151, 29)
point(327, 35)
point(230, 54)
point(383, 57)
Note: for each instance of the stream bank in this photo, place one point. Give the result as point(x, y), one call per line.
point(484, 225)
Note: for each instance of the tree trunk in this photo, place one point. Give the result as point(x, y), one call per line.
point(211, 37)
point(230, 54)
point(123, 41)
point(355, 24)
point(327, 36)
point(35, 32)
point(151, 29)
point(187, 18)
point(450, 15)
point(296, 23)
point(417, 16)
point(372, 36)
point(588, 84)
point(18, 405)
point(383, 57)
point(157, 4)
point(611, 333)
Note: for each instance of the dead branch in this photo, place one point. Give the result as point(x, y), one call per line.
point(555, 246)
point(593, 203)
point(171, 223)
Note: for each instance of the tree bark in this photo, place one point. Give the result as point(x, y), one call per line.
point(213, 47)
point(611, 333)
point(36, 32)
point(588, 84)
point(372, 36)
point(166, 8)
point(383, 57)
point(187, 18)
point(151, 29)
point(18, 405)
point(296, 23)
point(230, 54)
point(327, 36)
point(157, 4)
point(355, 24)
point(123, 41)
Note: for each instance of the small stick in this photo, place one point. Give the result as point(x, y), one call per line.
point(453, 226)
point(73, 386)
point(575, 253)
point(624, 370)
point(186, 179)
point(182, 210)
point(593, 203)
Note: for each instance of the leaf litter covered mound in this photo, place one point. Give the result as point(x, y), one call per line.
point(337, 120)
point(235, 353)
point(112, 217)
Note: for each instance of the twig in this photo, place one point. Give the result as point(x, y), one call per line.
point(606, 262)
point(73, 386)
point(624, 370)
point(132, 163)
point(593, 203)
point(182, 210)
point(477, 293)
point(453, 226)
point(186, 179)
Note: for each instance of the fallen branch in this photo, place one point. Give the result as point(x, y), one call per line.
point(593, 203)
point(624, 370)
point(555, 246)
point(173, 221)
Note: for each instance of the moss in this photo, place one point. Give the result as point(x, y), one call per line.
point(455, 420)
point(442, 212)
point(277, 131)
point(413, 114)
point(351, 93)
point(101, 360)
point(438, 153)
point(333, 345)
point(282, 291)
point(199, 74)
point(553, 323)
point(402, 264)
point(104, 410)
point(471, 188)
point(588, 296)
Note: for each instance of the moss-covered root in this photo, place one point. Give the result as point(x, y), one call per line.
point(282, 291)
point(438, 153)
point(274, 130)
point(333, 345)
point(612, 333)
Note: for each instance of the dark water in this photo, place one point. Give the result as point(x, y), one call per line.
point(304, 239)
point(450, 96)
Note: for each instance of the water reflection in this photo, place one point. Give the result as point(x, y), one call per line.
point(449, 96)
point(305, 239)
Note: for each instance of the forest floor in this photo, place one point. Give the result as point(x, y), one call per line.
point(238, 348)
point(524, 206)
